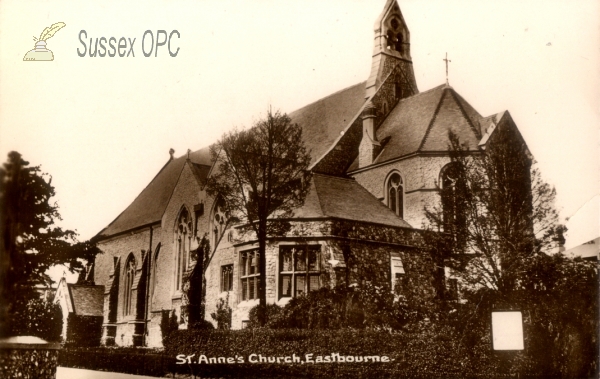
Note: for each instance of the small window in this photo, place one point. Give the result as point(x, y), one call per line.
point(226, 278)
point(452, 288)
point(299, 269)
point(249, 275)
point(397, 272)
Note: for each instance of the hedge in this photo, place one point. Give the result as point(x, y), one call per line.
point(137, 361)
point(427, 354)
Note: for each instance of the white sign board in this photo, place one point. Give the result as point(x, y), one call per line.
point(507, 330)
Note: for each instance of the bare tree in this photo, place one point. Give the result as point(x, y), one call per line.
point(495, 211)
point(261, 175)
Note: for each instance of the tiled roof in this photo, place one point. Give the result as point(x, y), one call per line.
point(421, 123)
point(334, 197)
point(321, 122)
point(87, 300)
point(324, 120)
point(150, 204)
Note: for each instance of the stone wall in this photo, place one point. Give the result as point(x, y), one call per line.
point(118, 249)
point(420, 177)
point(351, 252)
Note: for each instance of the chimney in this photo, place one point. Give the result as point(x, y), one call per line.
point(369, 147)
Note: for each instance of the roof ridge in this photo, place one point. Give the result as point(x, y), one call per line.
point(195, 174)
point(175, 186)
point(458, 99)
point(430, 126)
point(138, 195)
point(333, 176)
point(328, 96)
point(423, 93)
point(318, 199)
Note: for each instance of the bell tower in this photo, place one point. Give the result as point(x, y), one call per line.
point(391, 52)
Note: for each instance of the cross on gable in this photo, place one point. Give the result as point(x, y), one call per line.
point(447, 61)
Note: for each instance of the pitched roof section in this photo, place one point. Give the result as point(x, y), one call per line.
point(151, 203)
point(421, 123)
point(345, 199)
point(87, 300)
point(323, 121)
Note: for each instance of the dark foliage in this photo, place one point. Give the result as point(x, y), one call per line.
point(427, 352)
point(261, 173)
point(168, 323)
point(84, 330)
point(348, 307)
point(495, 211)
point(125, 360)
point(31, 241)
point(222, 315)
point(38, 318)
point(500, 233)
point(194, 286)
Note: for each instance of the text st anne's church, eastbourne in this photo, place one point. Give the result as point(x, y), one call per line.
point(379, 154)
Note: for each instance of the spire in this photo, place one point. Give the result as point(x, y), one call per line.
point(391, 51)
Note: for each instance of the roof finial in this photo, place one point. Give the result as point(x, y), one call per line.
point(171, 152)
point(188, 154)
point(447, 61)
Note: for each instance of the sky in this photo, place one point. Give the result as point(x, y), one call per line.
point(103, 126)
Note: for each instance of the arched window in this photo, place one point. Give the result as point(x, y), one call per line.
point(219, 221)
point(395, 194)
point(390, 39)
point(184, 240)
point(129, 277)
point(398, 45)
point(154, 265)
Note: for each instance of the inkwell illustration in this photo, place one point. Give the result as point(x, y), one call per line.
point(40, 53)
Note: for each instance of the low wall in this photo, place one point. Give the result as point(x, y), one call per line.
point(28, 358)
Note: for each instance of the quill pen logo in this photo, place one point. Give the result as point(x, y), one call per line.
point(41, 53)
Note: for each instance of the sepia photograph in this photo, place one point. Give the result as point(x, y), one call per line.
point(299, 189)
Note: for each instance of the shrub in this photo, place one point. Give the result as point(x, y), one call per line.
point(274, 315)
point(223, 313)
point(38, 318)
point(368, 306)
point(84, 330)
point(168, 323)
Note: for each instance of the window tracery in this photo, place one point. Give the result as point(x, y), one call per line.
point(130, 269)
point(395, 194)
point(183, 241)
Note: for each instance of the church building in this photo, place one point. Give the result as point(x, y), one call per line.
point(379, 153)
